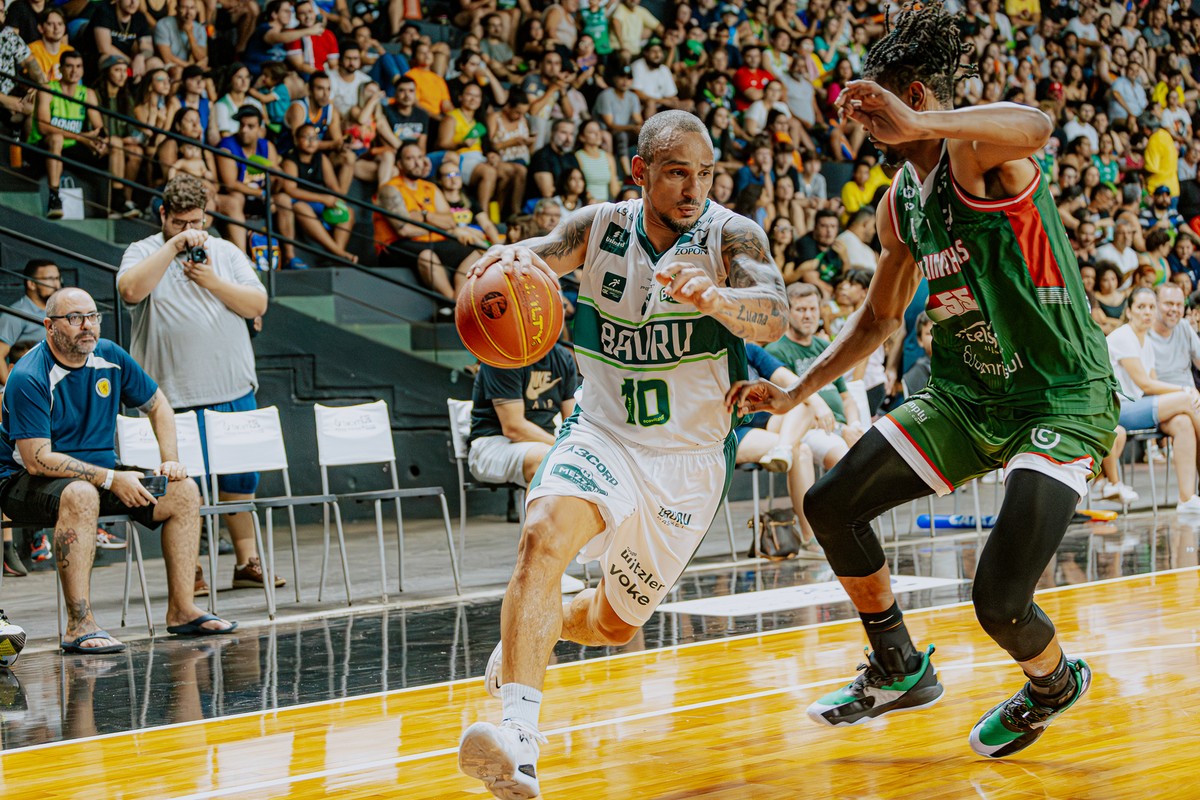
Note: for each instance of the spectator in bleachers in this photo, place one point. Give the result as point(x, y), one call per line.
point(551, 161)
point(118, 28)
point(1159, 215)
point(125, 161)
point(547, 213)
point(461, 135)
point(433, 94)
point(236, 90)
point(59, 469)
point(42, 279)
point(382, 66)
point(310, 206)
point(1183, 260)
point(52, 45)
point(1160, 158)
point(409, 122)
point(369, 138)
point(781, 233)
point(15, 58)
point(451, 183)
point(758, 170)
point(272, 34)
point(1109, 300)
point(834, 410)
point(474, 71)
point(631, 25)
point(621, 112)
point(1120, 250)
point(495, 49)
point(316, 51)
point(598, 166)
point(181, 40)
point(245, 185)
point(346, 81)
point(750, 80)
point(157, 108)
point(545, 88)
point(1150, 402)
point(857, 238)
point(195, 92)
point(24, 16)
point(561, 23)
point(66, 125)
point(572, 193)
point(317, 110)
point(653, 82)
point(189, 329)
point(819, 258)
point(401, 243)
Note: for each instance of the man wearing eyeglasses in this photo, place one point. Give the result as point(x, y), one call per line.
point(189, 297)
point(58, 466)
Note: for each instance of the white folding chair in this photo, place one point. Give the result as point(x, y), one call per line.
point(362, 434)
point(137, 445)
point(460, 431)
point(252, 441)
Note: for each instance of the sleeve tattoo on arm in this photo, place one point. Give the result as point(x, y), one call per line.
point(756, 282)
point(569, 236)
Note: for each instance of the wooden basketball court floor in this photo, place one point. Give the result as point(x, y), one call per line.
point(721, 718)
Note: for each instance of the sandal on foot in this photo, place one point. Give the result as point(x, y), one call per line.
point(76, 645)
point(196, 627)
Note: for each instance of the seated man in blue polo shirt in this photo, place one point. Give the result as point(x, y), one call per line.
point(58, 466)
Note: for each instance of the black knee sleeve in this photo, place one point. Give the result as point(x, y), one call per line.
point(840, 506)
point(1028, 531)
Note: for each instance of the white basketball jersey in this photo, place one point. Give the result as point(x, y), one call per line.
point(655, 371)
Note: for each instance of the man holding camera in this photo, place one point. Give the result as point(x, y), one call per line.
point(58, 466)
point(190, 296)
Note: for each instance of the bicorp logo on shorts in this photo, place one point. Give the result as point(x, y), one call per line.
point(580, 477)
point(1045, 439)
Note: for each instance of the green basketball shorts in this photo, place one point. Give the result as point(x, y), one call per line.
point(948, 440)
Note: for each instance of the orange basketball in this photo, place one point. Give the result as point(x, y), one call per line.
point(509, 321)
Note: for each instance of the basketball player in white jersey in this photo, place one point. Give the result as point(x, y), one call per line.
point(672, 285)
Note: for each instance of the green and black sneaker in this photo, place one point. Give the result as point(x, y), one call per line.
point(1016, 723)
point(875, 692)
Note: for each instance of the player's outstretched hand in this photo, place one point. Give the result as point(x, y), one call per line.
point(514, 259)
point(689, 284)
point(748, 397)
point(885, 116)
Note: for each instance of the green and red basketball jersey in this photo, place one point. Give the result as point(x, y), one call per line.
point(1011, 320)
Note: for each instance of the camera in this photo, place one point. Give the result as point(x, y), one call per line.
point(197, 254)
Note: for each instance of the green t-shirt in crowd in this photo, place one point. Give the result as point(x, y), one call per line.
point(799, 357)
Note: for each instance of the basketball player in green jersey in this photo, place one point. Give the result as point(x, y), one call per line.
point(1020, 379)
point(672, 284)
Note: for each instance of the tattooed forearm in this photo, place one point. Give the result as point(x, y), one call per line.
point(568, 240)
point(47, 463)
point(756, 307)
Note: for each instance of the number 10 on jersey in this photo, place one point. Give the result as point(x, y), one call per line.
point(646, 402)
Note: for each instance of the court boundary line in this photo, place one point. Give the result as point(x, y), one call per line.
point(628, 718)
point(563, 665)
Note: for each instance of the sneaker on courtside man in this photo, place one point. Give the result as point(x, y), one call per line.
point(1017, 723)
point(877, 691)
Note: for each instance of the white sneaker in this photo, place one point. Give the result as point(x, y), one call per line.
point(503, 756)
point(1119, 492)
point(570, 584)
point(1189, 506)
point(777, 459)
point(12, 641)
point(491, 675)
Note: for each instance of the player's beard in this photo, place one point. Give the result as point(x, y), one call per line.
point(679, 227)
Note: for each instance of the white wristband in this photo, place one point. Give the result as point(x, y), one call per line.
point(108, 479)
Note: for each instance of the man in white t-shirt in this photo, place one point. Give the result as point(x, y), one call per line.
point(653, 82)
point(347, 79)
point(1080, 124)
point(1176, 347)
point(856, 237)
point(1120, 250)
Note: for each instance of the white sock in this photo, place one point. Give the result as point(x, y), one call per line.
point(521, 703)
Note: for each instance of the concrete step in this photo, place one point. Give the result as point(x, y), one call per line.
point(319, 306)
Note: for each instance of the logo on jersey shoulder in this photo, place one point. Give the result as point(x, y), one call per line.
point(580, 477)
point(613, 286)
point(103, 387)
point(616, 240)
point(1045, 439)
point(946, 262)
point(693, 243)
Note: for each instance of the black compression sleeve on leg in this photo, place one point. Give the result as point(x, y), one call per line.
point(868, 481)
point(1029, 528)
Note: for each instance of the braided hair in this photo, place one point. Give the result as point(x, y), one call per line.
point(923, 43)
